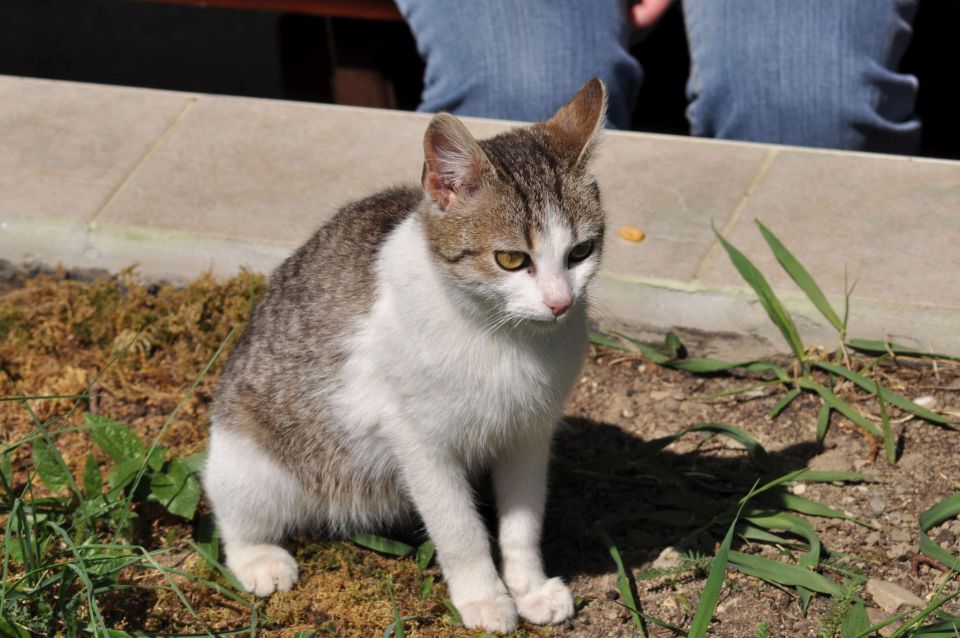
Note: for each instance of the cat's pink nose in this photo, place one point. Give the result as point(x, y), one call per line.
point(558, 307)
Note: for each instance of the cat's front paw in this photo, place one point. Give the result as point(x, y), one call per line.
point(551, 602)
point(262, 569)
point(497, 614)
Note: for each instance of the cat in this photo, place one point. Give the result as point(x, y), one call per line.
point(422, 336)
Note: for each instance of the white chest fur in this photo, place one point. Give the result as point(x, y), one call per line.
point(422, 370)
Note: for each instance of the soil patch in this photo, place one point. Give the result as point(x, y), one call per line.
point(138, 347)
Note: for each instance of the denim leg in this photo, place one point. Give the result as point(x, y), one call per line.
point(522, 59)
point(806, 72)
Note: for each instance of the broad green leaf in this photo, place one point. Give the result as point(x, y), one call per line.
point(6, 469)
point(823, 421)
point(784, 574)
point(454, 612)
point(890, 397)
point(784, 401)
point(839, 405)
point(92, 481)
point(194, 461)
point(945, 509)
point(50, 466)
point(801, 277)
point(177, 489)
point(711, 590)
point(116, 440)
point(765, 295)
point(381, 544)
point(426, 586)
point(624, 586)
point(124, 473)
point(883, 347)
point(855, 621)
point(673, 345)
point(425, 554)
point(208, 537)
point(10, 629)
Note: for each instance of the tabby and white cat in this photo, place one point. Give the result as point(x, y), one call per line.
point(423, 336)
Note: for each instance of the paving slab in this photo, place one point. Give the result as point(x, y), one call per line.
point(254, 169)
point(892, 222)
point(65, 148)
point(672, 189)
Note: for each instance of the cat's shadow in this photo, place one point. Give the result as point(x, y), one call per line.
point(644, 498)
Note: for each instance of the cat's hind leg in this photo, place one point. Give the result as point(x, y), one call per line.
point(256, 501)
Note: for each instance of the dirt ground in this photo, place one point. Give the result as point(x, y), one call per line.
point(603, 474)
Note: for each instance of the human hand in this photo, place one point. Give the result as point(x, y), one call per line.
point(645, 14)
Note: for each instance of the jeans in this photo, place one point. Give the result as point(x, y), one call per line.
point(805, 72)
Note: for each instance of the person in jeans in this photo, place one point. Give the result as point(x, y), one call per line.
point(805, 72)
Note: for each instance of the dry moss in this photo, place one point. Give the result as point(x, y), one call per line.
point(138, 347)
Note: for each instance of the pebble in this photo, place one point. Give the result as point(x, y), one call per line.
point(891, 597)
point(627, 413)
point(669, 558)
point(660, 395)
point(877, 616)
point(611, 594)
point(877, 504)
point(873, 538)
point(831, 461)
point(900, 535)
point(927, 401)
point(895, 517)
point(898, 550)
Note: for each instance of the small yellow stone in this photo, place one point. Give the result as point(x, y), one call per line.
point(631, 233)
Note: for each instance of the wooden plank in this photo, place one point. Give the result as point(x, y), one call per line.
point(361, 9)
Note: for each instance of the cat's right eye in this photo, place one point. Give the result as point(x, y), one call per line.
point(511, 259)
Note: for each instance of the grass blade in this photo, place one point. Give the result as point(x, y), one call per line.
point(784, 574)
point(425, 554)
point(839, 405)
point(892, 398)
point(823, 422)
point(718, 570)
point(947, 508)
point(624, 584)
point(784, 401)
point(870, 346)
point(398, 630)
point(801, 277)
point(381, 544)
point(795, 503)
point(753, 447)
point(765, 295)
point(889, 445)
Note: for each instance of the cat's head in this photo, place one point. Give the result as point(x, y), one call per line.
point(515, 220)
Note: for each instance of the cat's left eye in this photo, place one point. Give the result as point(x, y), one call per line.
point(581, 251)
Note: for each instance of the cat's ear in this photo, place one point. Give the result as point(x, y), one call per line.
point(454, 165)
point(577, 125)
